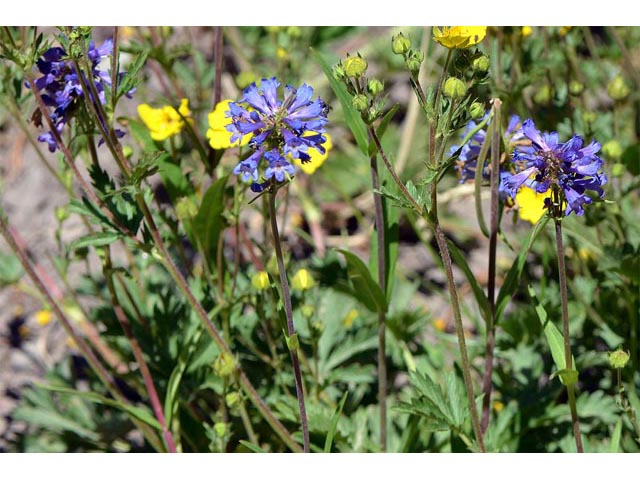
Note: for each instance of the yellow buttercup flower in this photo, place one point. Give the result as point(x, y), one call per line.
point(302, 280)
point(166, 121)
point(218, 135)
point(531, 204)
point(351, 316)
point(260, 280)
point(459, 37)
point(317, 158)
point(43, 317)
point(526, 31)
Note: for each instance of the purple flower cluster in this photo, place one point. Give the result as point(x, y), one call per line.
point(468, 157)
point(61, 88)
point(570, 169)
point(280, 129)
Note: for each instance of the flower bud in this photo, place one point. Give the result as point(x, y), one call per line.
point(481, 64)
point(293, 342)
point(260, 280)
point(413, 61)
point(374, 113)
point(375, 86)
point(618, 359)
point(589, 117)
point(232, 399)
point(338, 71)
point(612, 150)
point(543, 95)
point(476, 110)
point(224, 365)
point(302, 280)
point(307, 311)
point(400, 44)
point(294, 32)
point(186, 209)
point(317, 327)
point(354, 67)
point(618, 88)
point(220, 428)
point(617, 170)
point(360, 102)
point(127, 151)
point(61, 214)
point(454, 88)
point(576, 87)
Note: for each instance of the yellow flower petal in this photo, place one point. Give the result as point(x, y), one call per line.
point(531, 204)
point(218, 135)
point(166, 121)
point(459, 37)
point(302, 280)
point(526, 31)
point(43, 317)
point(317, 158)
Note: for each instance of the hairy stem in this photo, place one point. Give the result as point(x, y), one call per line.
point(286, 298)
point(562, 273)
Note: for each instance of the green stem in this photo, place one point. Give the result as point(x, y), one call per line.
point(286, 298)
point(382, 273)
point(562, 272)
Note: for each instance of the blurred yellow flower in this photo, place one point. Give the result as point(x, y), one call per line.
point(440, 324)
point(526, 31)
point(218, 135)
point(317, 158)
point(302, 280)
point(498, 406)
point(351, 316)
point(531, 204)
point(166, 121)
point(43, 317)
point(459, 37)
point(260, 280)
point(564, 30)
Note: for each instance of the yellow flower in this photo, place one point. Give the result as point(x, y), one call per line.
point(218, 135)
point(526, 31)
point(166, 121)
point(440, 324)
point(317, 158)
point(302, 280)
point(531, 204)
point(351, 316)
point(564, 30)
point(459, 37)
point(260, 280)
point(498, 406)
point(43, 317)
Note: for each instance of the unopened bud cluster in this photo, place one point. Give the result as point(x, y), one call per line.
point(365, 92)
point(401, 45)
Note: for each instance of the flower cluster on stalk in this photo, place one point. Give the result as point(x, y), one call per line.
point(281, 130)
point(564, 171)
point(61, 87)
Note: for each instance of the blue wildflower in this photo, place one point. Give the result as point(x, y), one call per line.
point(468, 157)
point(569, 169)
point(61, 89)
point(281, 130)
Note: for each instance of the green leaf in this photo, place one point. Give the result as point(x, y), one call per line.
point(139, 413)
point(131, 78)
point(366, 290)
point(209, 221)
point(10, 269)
point(391, 232)
point(351, 115)
point(614, 446)
point(515, 272)
point(252, 446)
point(334, 424)
point(147, 165)
point(141, 134)
point(174, 179)
point(97, 239)
point(52, 420)
point(555, 339)
point(478, 292)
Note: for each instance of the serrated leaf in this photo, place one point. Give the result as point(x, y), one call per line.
point(351, 115)
point(131, 79)
point(148, 165)
point(366, 289)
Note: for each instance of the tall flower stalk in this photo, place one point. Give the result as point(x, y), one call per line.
point(565, 172)
point(281, 132)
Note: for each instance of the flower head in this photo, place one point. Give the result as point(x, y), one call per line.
point(459, 37)
point(468, 157)
point(166, 121)
point(218, 135)
point(279, 130)
point(60, 87)
point(565, 170)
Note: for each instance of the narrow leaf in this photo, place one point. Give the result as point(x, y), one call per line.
point(614, 446)
point(365, 287)
point(334, 424)
point(252, 446)
point(97, 239)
